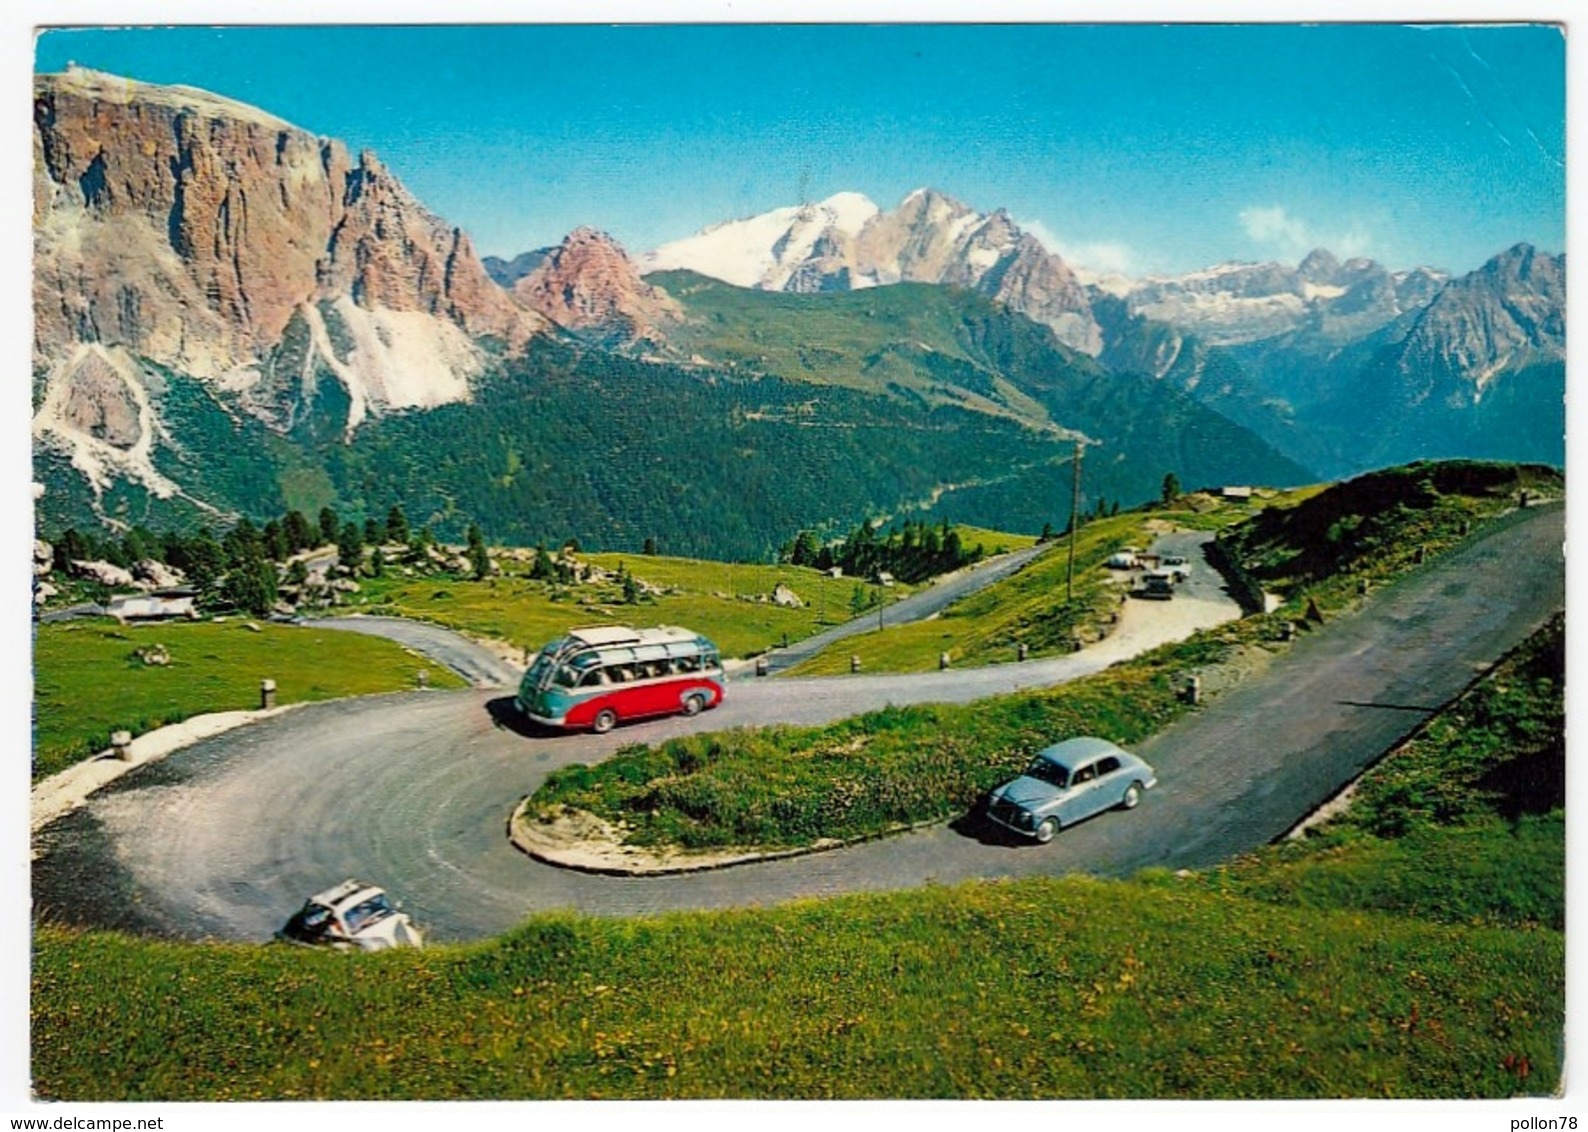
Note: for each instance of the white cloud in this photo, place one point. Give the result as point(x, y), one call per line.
point(1291, 237)
point(1108, 257)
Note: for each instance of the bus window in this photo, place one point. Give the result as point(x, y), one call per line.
point(591, 679)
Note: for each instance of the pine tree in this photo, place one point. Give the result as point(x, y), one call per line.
point(203, 561)
point(350, 547)
point(330, 526)
point(541, 570)
point(250, 584)
point(299, 535)
point(480, 558)
point(396, 525)
point(275, 542)
point(1171, 488)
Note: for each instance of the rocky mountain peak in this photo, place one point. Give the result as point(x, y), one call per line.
point(588, 284)
point(177, 229)
point(1507, 314)
point(1319, 266)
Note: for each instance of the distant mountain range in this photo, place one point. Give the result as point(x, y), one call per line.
point(1292, 352)
point(233, 315)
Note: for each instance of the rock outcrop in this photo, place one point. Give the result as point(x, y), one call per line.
point(590, 286)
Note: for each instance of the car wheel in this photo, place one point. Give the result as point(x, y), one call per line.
point(1046, 830)
point(606, 719)
point(694, 704)
point(1132, 796)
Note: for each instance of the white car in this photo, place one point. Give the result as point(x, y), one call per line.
point(351, 917)
point(1175, 564)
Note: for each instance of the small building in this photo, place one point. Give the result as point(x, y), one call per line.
point(161, 605)
point(1235, 492)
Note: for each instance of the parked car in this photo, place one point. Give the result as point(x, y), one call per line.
point(1123, 559)
point(1068, 782)
point(1157, 584)
point(351, 917)
point(1177, 566)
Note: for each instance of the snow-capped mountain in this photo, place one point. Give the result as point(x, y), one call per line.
point(1234, 303)
point(769, 251)
point(846, 242)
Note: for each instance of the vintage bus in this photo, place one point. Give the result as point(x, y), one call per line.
point(600, 676)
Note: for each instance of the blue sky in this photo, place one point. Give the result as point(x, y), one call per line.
point(1135, 148)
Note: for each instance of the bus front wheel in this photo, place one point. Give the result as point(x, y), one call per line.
point(606, 719)
point(694, 704)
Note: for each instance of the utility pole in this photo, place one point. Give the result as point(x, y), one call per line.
point(1075, 508)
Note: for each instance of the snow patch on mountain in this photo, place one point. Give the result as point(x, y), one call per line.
point(763, 251)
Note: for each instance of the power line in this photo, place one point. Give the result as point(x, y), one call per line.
point(1075, 507)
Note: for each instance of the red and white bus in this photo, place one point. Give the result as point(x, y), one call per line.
point(600, 676)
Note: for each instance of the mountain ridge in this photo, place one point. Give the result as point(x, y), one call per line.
point(227, 308)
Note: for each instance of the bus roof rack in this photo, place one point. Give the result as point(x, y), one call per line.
point(603, 636)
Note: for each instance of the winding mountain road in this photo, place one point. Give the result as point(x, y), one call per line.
point(413, 790)
point(917, 607)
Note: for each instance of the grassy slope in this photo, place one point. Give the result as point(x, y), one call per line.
point(1371, 528)
point(1046, 988)
point(890, 336)
point(88, 682)
point(713, 598)
point(985, 627)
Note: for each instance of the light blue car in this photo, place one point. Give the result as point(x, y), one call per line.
point(1066, 783)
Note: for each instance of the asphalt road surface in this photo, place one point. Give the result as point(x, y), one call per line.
point(475, 663)
point(916, 607)
point(412, 791)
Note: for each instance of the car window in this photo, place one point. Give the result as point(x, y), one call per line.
point(1084, 774)
point(1107, 765)
point(375, 908)
point(1045, 771)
